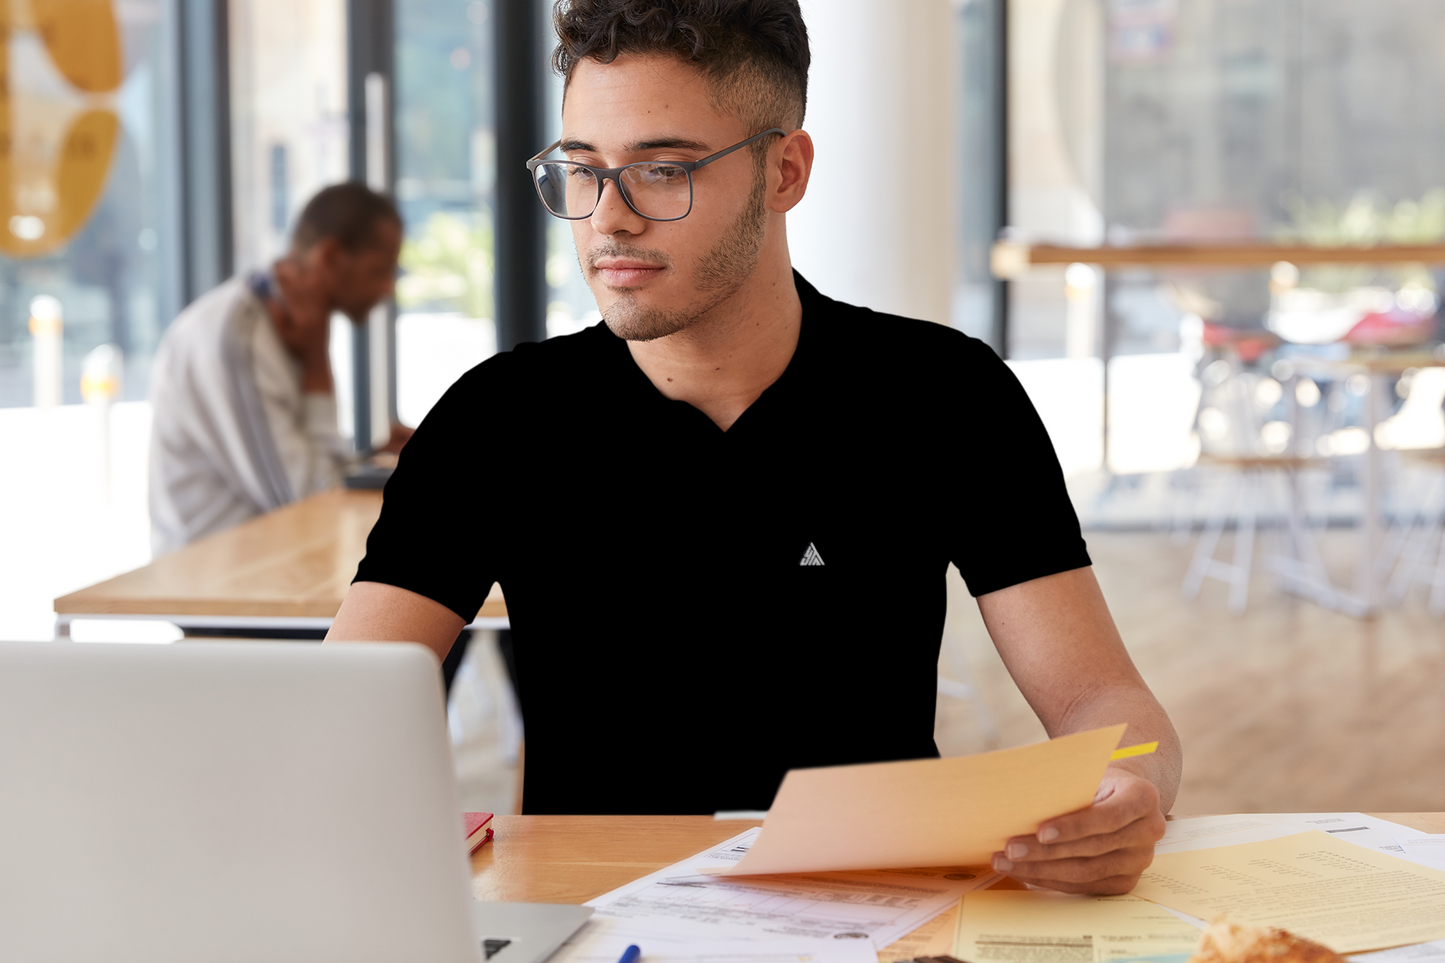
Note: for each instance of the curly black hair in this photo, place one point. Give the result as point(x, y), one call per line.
point(753, 53)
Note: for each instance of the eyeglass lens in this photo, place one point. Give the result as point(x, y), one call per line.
point(660, 191)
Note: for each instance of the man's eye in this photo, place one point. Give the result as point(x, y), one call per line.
point(663, 174)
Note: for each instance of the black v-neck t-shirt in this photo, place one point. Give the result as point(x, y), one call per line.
point(694, 612)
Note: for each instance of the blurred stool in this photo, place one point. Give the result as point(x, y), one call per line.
point(1419, 544)
point(1300, 567)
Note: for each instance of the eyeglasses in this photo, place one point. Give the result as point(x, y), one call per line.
point(656, 190)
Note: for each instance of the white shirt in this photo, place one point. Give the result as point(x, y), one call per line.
point(233, 435)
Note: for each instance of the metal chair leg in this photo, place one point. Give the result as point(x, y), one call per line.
point(1250, 489)
point(1204, 550)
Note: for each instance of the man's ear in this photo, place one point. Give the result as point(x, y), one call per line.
point(325, 258)
point(788, 179)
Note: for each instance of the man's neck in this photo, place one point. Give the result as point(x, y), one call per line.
point(722, 364)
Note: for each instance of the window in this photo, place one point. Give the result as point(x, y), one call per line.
point(1137, 121)
point(446, 176)
point(89, 217)
point(90, 229)
point(289, 132)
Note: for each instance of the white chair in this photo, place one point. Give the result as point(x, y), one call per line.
point(1417, 547)
point(1299, 565)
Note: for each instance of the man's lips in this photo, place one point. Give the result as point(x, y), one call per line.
point(623, 272)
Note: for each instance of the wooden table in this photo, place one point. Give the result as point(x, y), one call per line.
point(578, 858)
point(572, 859)
point(288, 569)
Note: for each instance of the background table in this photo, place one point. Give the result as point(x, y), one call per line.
point(572, 859)
point(1370, 581)
point(288, 569)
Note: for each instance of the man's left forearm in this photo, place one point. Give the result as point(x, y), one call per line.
point(1147, 721)
point(1060, 644)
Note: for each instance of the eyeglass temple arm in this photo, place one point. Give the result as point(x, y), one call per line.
point(535, 160)
point(723, 153)
point(532, 162)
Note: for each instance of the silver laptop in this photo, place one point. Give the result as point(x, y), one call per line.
point(233, 802)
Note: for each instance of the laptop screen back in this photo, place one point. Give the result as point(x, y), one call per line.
point(228, 802)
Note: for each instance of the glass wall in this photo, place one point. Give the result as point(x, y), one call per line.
point(446, 175)
point(570, 305)
point(288, 117)
point(90, 265)
point(1314, 120)
point(1143, 121)
point(88, 202)
point(979, 199)
point(1153, 120)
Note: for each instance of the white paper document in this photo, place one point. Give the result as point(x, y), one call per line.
point(1207, 832)
point(1418, 953)
point(878, 906)
point(603, 940)
point(1426, 848)
point(1370, 832)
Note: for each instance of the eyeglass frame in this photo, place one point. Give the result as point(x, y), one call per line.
point(614, 174)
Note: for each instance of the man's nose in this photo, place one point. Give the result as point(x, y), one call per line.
point(613, 216)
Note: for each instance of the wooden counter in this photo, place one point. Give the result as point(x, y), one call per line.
point(289, 567)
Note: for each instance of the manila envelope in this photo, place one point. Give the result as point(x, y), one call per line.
point(924, 812)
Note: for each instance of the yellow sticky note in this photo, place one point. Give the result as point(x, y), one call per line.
point(925, 812)
point(1347, 897)
point(1040, 927)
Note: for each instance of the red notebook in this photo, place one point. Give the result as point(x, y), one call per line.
point(477, 830)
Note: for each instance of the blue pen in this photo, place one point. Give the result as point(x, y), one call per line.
point(630, 955)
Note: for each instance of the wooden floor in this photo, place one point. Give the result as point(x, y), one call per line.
point(1287, 707)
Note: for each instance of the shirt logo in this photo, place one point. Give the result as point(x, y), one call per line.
point(811, 556)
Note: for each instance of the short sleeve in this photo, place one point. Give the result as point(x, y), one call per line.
point(1015, 521)
point(432, 537)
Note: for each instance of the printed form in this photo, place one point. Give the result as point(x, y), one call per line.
point(1428, 849)
point(669, 941)
point(875, 906)
point(1032, 926)
point(1345, 896)
point(1371, 832)
point(1419, 953)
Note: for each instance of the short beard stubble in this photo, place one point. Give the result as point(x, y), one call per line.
point(721, 273)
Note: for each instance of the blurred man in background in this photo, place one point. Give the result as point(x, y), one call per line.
point(243, 398)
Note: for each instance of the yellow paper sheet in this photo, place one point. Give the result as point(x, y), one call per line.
point(1345, 896)
point(1027, 926)
point(925, 812)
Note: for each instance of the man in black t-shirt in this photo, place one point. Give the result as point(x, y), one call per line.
point(730, 507)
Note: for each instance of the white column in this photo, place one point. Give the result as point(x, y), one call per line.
point(876, 227)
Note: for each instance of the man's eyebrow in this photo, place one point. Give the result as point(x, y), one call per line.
point(665, 143)
point(637, 147)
